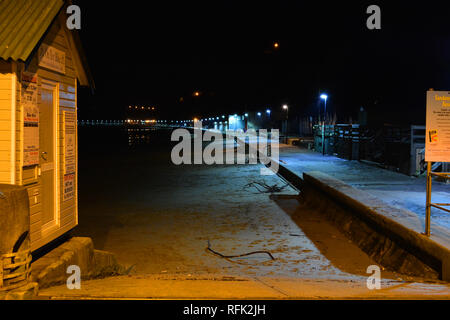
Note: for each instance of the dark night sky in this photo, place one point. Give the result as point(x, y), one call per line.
point(142, 53)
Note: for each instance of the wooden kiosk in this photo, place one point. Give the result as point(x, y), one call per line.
point(41, 64)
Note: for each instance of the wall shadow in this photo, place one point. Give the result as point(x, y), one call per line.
point(334, 245)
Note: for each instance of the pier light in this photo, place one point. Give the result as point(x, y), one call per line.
point(324, 97)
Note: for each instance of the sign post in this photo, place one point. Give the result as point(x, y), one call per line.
point(428, 203)
point(437, 144)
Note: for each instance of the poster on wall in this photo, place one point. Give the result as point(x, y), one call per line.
point(69, 142)
point(69, 154)
point(52, 58)
point(437, 139)
point(69, 186)
point(30, 108)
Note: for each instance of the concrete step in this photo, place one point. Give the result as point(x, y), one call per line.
point(223, 287)
point(51, 269)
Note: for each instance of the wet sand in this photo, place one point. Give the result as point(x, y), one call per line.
point(158, 217)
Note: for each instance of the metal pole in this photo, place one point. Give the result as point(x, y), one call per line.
point(428, 203)
point(287, 123)
point(323, 128)
point(323, 137)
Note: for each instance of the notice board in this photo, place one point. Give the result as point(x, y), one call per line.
point(52, 58)
point(437, 140)
point(70, 125)
point(30, 107)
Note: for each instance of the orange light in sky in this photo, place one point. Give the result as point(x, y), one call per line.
point(276, 45)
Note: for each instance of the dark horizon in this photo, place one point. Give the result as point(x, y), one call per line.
point(153, 55)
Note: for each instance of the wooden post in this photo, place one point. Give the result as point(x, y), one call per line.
point(428, 203)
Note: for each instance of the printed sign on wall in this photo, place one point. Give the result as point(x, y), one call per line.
point(52, 58)
point(69, 142)
point(437, 140)
point(69, 186)
point(30, 119)
point(69, 154)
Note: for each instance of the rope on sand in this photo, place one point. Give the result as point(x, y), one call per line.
point(239, 255)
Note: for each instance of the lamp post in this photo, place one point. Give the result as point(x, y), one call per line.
point(268, 111)
point(285, 107)
point(323, 97)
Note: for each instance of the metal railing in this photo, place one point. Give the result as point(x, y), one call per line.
point(429, 204)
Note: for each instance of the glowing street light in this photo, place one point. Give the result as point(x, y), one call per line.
point(259, 114)
point(324, 97)
point(285, 107)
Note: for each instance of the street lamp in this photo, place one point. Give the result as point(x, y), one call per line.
point(324, 97)
point(285, 107)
